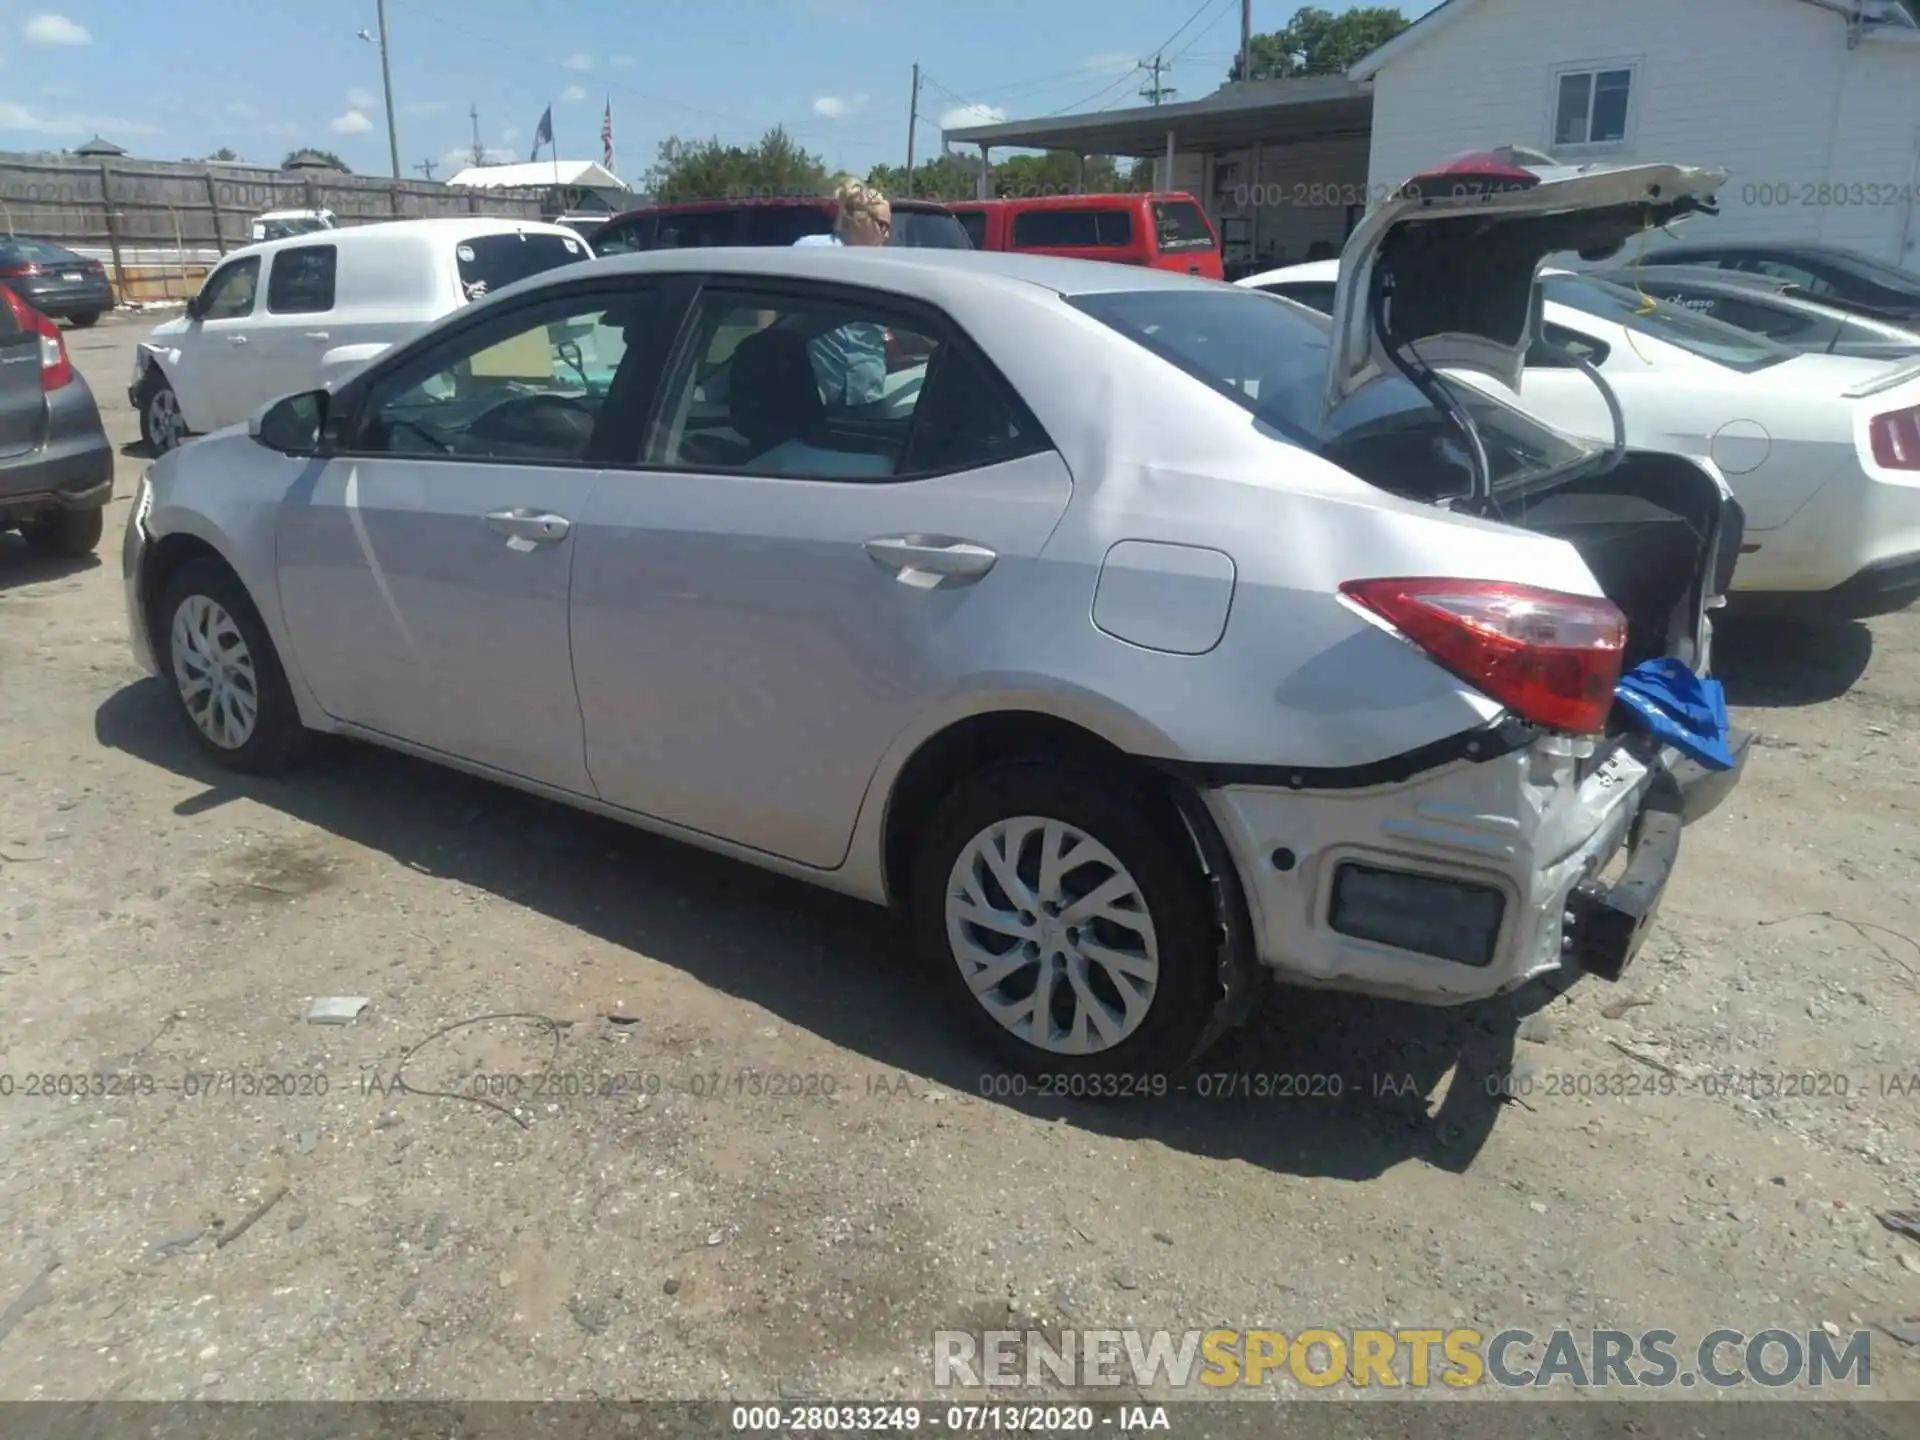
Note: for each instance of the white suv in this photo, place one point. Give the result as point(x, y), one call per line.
point(299, 313)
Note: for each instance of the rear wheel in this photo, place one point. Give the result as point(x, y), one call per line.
point(161, 425)
point(1073, 936)
point(226, 675)
point(81, 322)
point(65, 534)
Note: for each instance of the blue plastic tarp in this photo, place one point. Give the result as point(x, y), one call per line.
point(1681, 709)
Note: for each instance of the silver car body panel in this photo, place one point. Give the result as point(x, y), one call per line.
point(748, 679)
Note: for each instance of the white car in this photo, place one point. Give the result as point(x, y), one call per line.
point(1045, 599)
point(1822, 451)
point(300, 313)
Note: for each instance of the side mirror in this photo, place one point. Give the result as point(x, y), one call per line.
point(293, 425)
point(193, 308)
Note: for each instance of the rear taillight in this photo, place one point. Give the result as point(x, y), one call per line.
point(56, 369)
point(1896, 439)
point(20, 272)
point(1550, 658)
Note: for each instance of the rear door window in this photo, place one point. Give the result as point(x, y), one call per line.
point(1072, 229)
point(975, 224)
point(929, 230)
point(783, 224)
point(625, 237)
point(493, 262)
point(1179, 226)
point(697, 229)
point(301, 281)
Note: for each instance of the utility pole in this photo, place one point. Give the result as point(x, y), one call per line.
point(1153, 90)
point(479, 151)
point(913, 124)
point(1246, 40)
point(425, 167)
point(386, 82)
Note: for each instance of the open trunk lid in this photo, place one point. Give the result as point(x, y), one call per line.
point(1450, 262)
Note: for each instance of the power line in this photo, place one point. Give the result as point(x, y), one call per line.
point(1214, 24)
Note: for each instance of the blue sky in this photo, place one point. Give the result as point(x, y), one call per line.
point(185, 77)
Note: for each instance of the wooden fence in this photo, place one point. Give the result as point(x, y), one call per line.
point(159, 227)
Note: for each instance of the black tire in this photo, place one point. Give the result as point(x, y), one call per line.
point(65, 534)
point(1169, 883)
point(83, 321)
point(159, 439)
point(277, 741)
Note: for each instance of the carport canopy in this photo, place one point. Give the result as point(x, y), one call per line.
point(1265, 112)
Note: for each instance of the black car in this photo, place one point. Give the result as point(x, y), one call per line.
point(766, 220)
point(1776, 308)
point(54, 280)
point(1845, 279)
point(56, 465)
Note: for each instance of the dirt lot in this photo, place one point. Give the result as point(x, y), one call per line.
point(695, 1234)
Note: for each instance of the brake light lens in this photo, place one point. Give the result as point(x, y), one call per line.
point(1896, 439)
point(56, 368)
point(1550, 658)
point(20, 272)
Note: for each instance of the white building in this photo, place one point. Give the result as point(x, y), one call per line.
point(1812, 106)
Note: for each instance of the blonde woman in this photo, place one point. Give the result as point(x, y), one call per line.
point(862, 216)
point(850, 361)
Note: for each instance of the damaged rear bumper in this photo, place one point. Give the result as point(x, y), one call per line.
point(1472, 878)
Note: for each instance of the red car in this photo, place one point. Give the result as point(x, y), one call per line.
point(1167, 230)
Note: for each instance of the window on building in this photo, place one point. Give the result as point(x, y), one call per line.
point(1590, 106)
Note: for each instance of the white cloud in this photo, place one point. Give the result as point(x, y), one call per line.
point(425, 107)
point(580, 61)
point(15, 116)
point(54, 29)
point(351, 123)
point(573, 94)
point(359, 99)
point(963, 115)
point(839, 107)
point(509, 134)
point(1111, 62)
point(621, 62)
point(240, 110)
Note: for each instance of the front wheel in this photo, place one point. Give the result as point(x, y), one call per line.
point(161, 425)
point(226, 674)
point(1074, 938)
point(65, 534)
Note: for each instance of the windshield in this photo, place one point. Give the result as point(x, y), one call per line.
point(492, 262)
point(931, 229)
point(1270, 358)
point(1904, 282)
point(1686, 329)
point(35, 252)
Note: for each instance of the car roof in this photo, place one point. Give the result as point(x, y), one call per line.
point(1098, 199)
point(465, 227)
point(771, 202)
point(1308, 272)
point(904, 268)
point(1752, 247)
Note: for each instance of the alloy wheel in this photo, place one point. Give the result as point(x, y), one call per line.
point(215, 672)
point(1052, 935)
point(163, 420)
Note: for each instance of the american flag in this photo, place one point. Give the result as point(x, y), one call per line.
point(606, 135)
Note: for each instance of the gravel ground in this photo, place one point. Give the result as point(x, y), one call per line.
point(792, 1179)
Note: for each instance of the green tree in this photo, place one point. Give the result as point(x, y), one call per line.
point(310, 155)
point(710, 170)
point(942, 177)
point(1318, 42)
point(223, 153)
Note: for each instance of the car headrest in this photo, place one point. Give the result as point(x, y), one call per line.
point(772, 395)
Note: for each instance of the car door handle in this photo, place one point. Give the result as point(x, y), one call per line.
point(525, 529)
point(316, 335)
point(236, 339)
point(925, 560)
